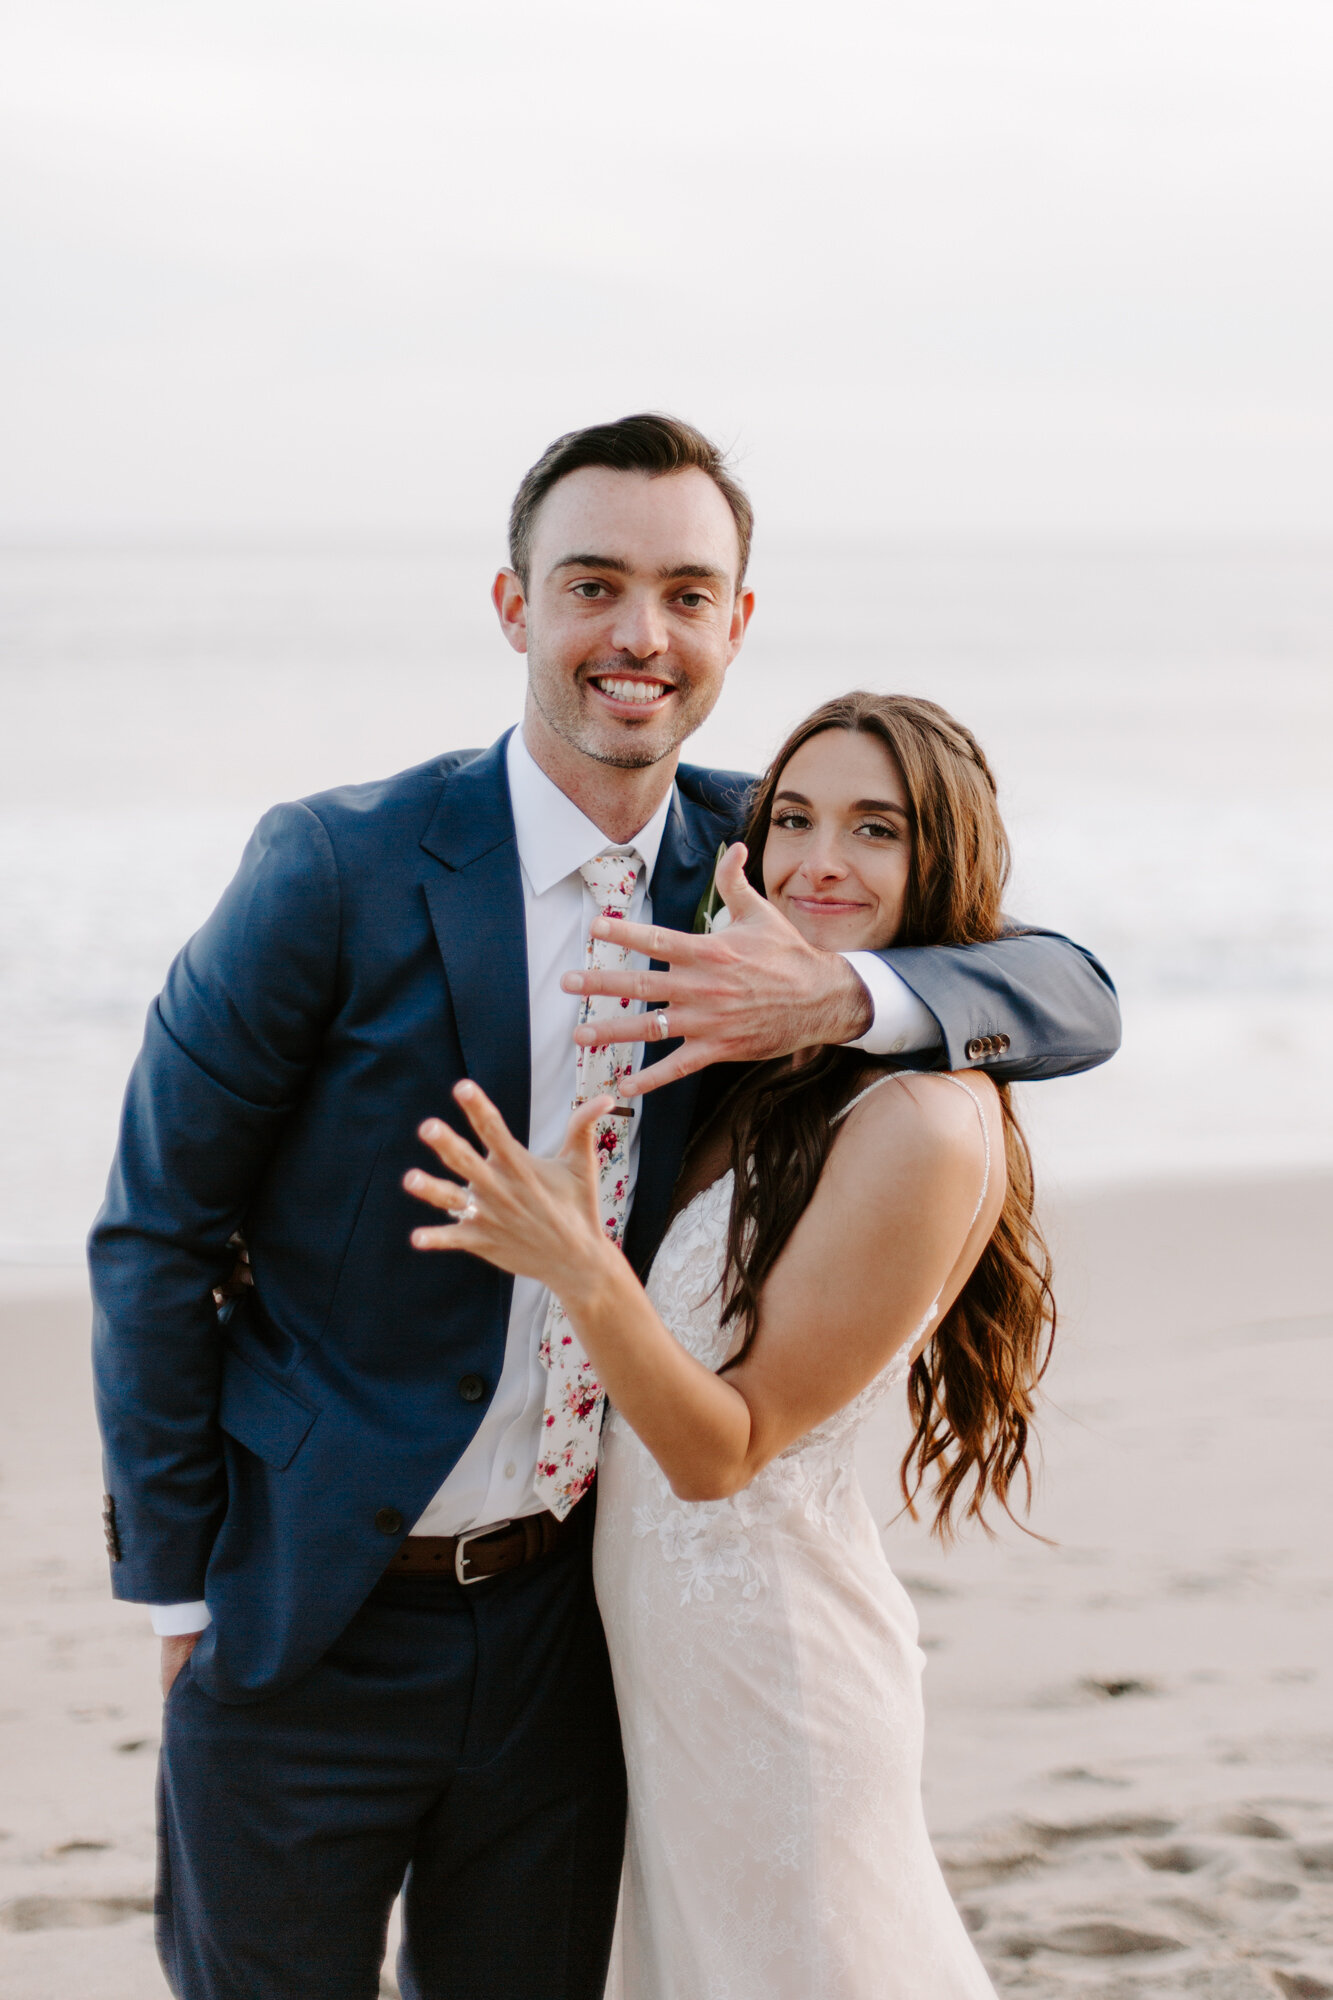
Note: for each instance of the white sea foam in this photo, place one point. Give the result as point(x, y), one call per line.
point(1161, 723)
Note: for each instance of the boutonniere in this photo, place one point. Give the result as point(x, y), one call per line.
point(712, 913)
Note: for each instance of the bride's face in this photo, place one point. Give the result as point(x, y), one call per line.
point(840, 842)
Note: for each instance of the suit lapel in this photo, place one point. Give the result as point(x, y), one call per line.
point(689, 842)
point(476, 909)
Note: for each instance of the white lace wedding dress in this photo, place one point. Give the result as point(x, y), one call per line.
point(769, 1683)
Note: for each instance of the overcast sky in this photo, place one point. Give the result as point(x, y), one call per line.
point(311, 266)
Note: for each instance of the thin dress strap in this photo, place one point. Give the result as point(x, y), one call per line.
point(899, 1076)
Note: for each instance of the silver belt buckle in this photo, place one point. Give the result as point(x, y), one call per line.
point(475, 1535)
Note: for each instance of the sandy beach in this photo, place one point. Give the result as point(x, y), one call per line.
point(1130, 1744)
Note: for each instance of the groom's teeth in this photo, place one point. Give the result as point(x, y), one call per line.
point(632, 690)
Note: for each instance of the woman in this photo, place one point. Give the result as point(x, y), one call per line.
point(839, 1228)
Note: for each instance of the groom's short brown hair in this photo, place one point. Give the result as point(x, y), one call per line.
point(649, 443)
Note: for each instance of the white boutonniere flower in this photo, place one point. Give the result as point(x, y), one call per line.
point(712, 913)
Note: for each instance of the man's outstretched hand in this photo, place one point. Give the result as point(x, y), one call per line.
point(744, 994)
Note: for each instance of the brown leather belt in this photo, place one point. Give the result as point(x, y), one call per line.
point(483, 1552)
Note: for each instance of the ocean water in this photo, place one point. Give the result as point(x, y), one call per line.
point(1161, 721)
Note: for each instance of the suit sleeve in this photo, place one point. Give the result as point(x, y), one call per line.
point(1030, 1005)
point(228, 1045)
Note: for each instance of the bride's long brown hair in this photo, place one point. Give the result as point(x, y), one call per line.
point(971, 1394)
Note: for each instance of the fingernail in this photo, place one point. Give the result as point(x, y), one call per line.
point(430, 1130)
point(571, 982)
point(419, 1239)
point(412, 1178)
point(465, 1089)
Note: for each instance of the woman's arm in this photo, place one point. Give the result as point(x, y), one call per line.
point(887, 1231)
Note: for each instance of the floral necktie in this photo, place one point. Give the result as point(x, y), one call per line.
point(571, 1426)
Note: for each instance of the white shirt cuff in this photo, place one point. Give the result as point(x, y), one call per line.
point(175, 1621)
point(901, 1024)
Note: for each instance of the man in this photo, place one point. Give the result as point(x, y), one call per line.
point(333, 1491)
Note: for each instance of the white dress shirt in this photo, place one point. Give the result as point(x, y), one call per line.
point(493, 1480)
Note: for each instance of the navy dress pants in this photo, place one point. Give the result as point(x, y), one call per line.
point(459, 1743)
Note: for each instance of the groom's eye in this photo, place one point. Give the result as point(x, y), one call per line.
point(589, 588)
point(692, 599)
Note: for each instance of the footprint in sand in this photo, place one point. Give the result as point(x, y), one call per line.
point(59, 1913)
point(1250, 1826)
point(1099, 1939)
point(1180, 1857)
point(1256, 1922)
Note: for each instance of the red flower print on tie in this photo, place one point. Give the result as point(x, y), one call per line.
point(574, 1399)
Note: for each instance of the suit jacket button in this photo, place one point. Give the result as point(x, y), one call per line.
point(1002, 1043)
point(389, 1521)
point(472, 1388)
point(975, 1050)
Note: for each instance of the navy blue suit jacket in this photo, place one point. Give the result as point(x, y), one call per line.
point(370, 953)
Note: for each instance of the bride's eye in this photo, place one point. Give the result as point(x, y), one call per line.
point(880, 829)
point(791, 821)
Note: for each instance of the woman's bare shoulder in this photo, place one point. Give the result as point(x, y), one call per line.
point(922, 1122)
point(934, 1102)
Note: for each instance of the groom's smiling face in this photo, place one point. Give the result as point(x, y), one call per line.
point(631, 614)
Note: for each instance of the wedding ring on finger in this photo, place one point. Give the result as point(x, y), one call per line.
point(469, 1211)
point(662, 1031)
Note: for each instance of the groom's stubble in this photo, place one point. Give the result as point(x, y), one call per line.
point(566, 706)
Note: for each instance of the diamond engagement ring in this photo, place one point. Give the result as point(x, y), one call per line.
point(469, 1211)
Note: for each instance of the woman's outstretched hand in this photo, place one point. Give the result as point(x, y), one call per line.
point(536, 1218)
